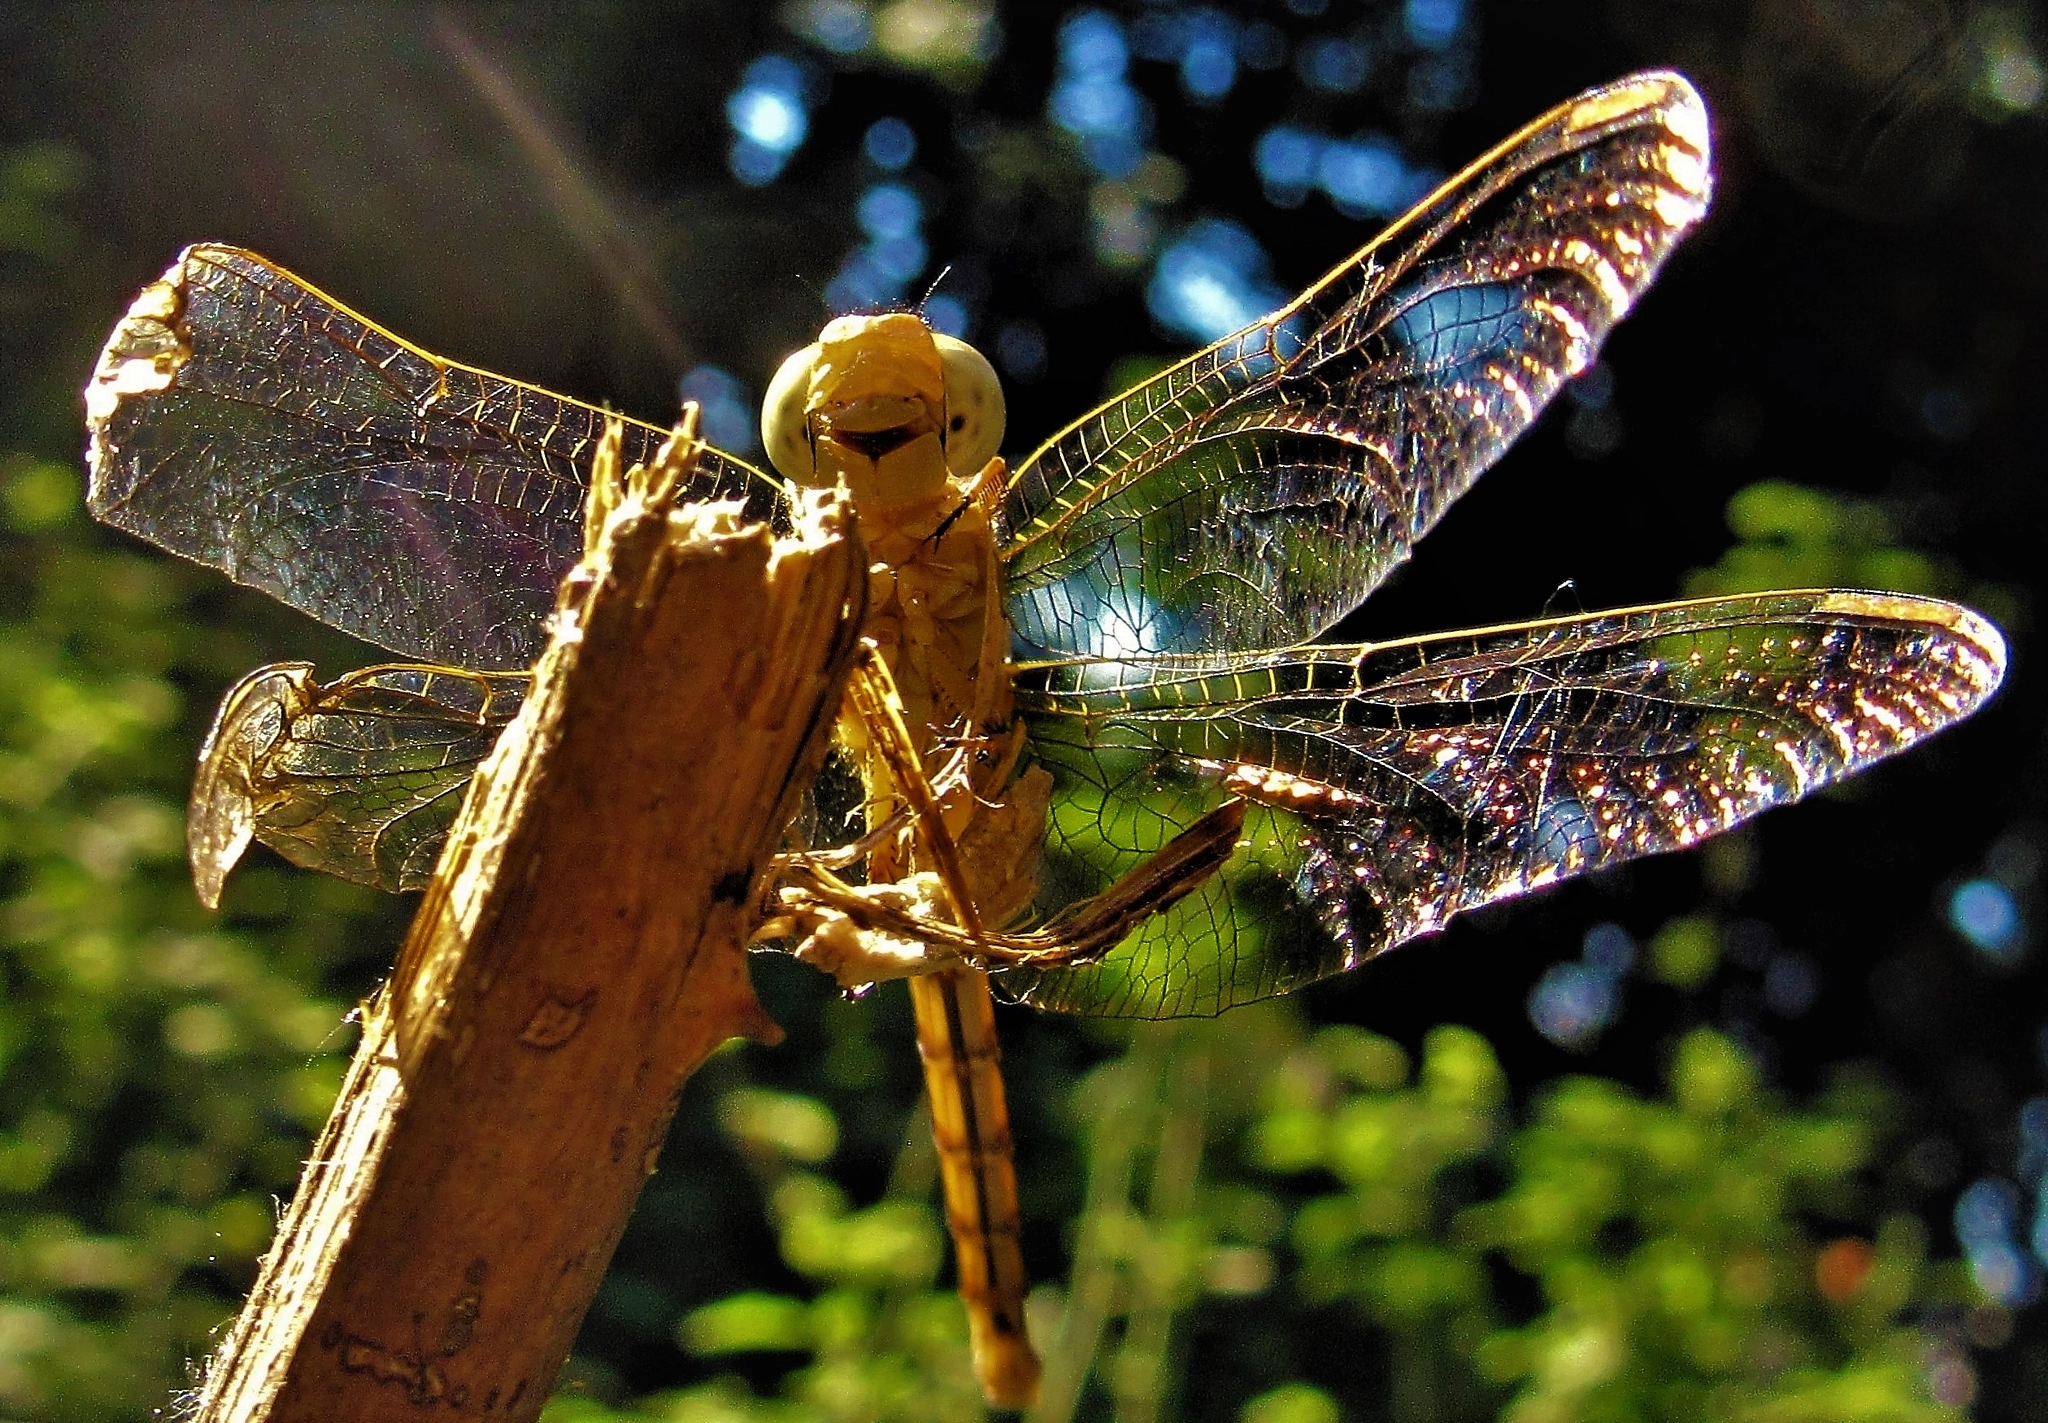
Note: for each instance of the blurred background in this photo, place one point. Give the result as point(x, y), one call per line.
point(1757, 1132)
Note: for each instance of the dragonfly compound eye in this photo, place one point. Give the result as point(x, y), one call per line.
point(784, 430)
point(974, 407)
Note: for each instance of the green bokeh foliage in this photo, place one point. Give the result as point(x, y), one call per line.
point(1435, 1241)
point(1597, 1254)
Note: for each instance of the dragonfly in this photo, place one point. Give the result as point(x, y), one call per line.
point(1108, 667)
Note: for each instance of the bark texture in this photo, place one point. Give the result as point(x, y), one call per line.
point(580, 952)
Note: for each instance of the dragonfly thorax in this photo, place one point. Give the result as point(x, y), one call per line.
point(885, 404)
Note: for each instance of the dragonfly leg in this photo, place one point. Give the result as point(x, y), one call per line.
point(950, 778)
point(871, 698)
point(897, 929)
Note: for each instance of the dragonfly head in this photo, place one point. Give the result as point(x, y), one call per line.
point(885, 403)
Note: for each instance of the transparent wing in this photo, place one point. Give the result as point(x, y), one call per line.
point(1390, 787)
point(243, 419)
point(360, 777)
point(1254, 494)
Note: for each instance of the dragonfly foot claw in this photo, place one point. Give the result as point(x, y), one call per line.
point(867, 934)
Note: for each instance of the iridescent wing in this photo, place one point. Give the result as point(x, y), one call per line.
point(243, 419)
point(359, 778)
point(1390, 787)
point(1253, 494)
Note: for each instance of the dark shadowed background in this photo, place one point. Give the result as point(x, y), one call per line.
point(1837, 381)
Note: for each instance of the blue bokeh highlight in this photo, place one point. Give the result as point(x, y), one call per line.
point(1210, 281)
point(878, 274)
point(730, 418)
point(1363, 177)
point(1335, 64)
point(1987, 915)
point(890, 144)
point(946, 313)
point(1574, 1002)
point(770, 117)
point(1432, 24)
point(841, 26)
point(1092, 97)
point(1986, 1220)
point(1020, 350)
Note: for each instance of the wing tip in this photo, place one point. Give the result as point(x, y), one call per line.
point(1966, 625)
point(142, 356)
point(1666, 94)
point(1666, 100)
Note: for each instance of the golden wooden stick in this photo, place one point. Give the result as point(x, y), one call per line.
point(580, 953)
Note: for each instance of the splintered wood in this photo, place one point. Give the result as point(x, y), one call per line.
point(580, 952)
